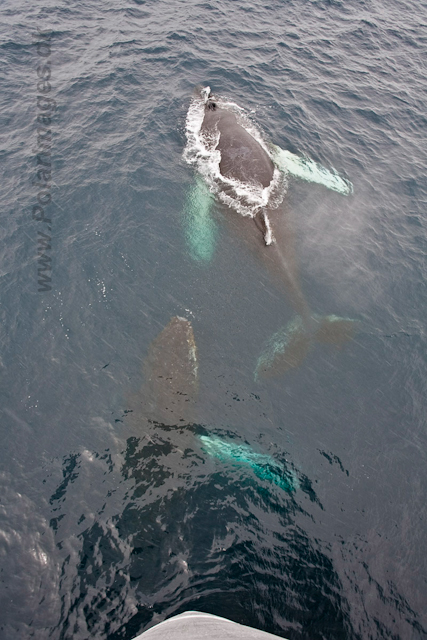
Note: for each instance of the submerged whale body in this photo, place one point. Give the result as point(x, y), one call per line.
point(170, 389)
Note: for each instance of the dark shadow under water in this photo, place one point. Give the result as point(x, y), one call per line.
point(192, 535)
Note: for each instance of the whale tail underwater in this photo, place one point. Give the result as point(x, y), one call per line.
point(249, 176)
point(288, 347)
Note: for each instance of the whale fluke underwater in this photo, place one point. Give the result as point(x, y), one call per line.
point(249, 177)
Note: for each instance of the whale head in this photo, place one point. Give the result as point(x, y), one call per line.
point(211, 104)
point(209, 99)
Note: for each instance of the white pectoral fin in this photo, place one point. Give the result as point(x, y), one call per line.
point(200, 227)
point(306, 169)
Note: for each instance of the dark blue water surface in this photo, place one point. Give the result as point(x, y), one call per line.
point(110, 523)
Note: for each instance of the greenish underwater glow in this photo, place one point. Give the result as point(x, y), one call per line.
point(284, 350)
point(306, 169)
point(264, 466)
point(201, 229)
point(287, 348)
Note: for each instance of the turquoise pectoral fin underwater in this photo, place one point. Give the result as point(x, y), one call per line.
point(201, 230)
point(263, 466)
point(306, 169)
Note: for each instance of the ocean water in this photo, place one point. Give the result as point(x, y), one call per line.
point(110, 522)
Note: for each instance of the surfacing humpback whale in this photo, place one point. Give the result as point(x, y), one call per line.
point(248, 176)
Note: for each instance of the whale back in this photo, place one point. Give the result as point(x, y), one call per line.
point(242, 157)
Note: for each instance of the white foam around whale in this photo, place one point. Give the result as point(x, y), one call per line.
point(246, 199)
point(249, 199)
